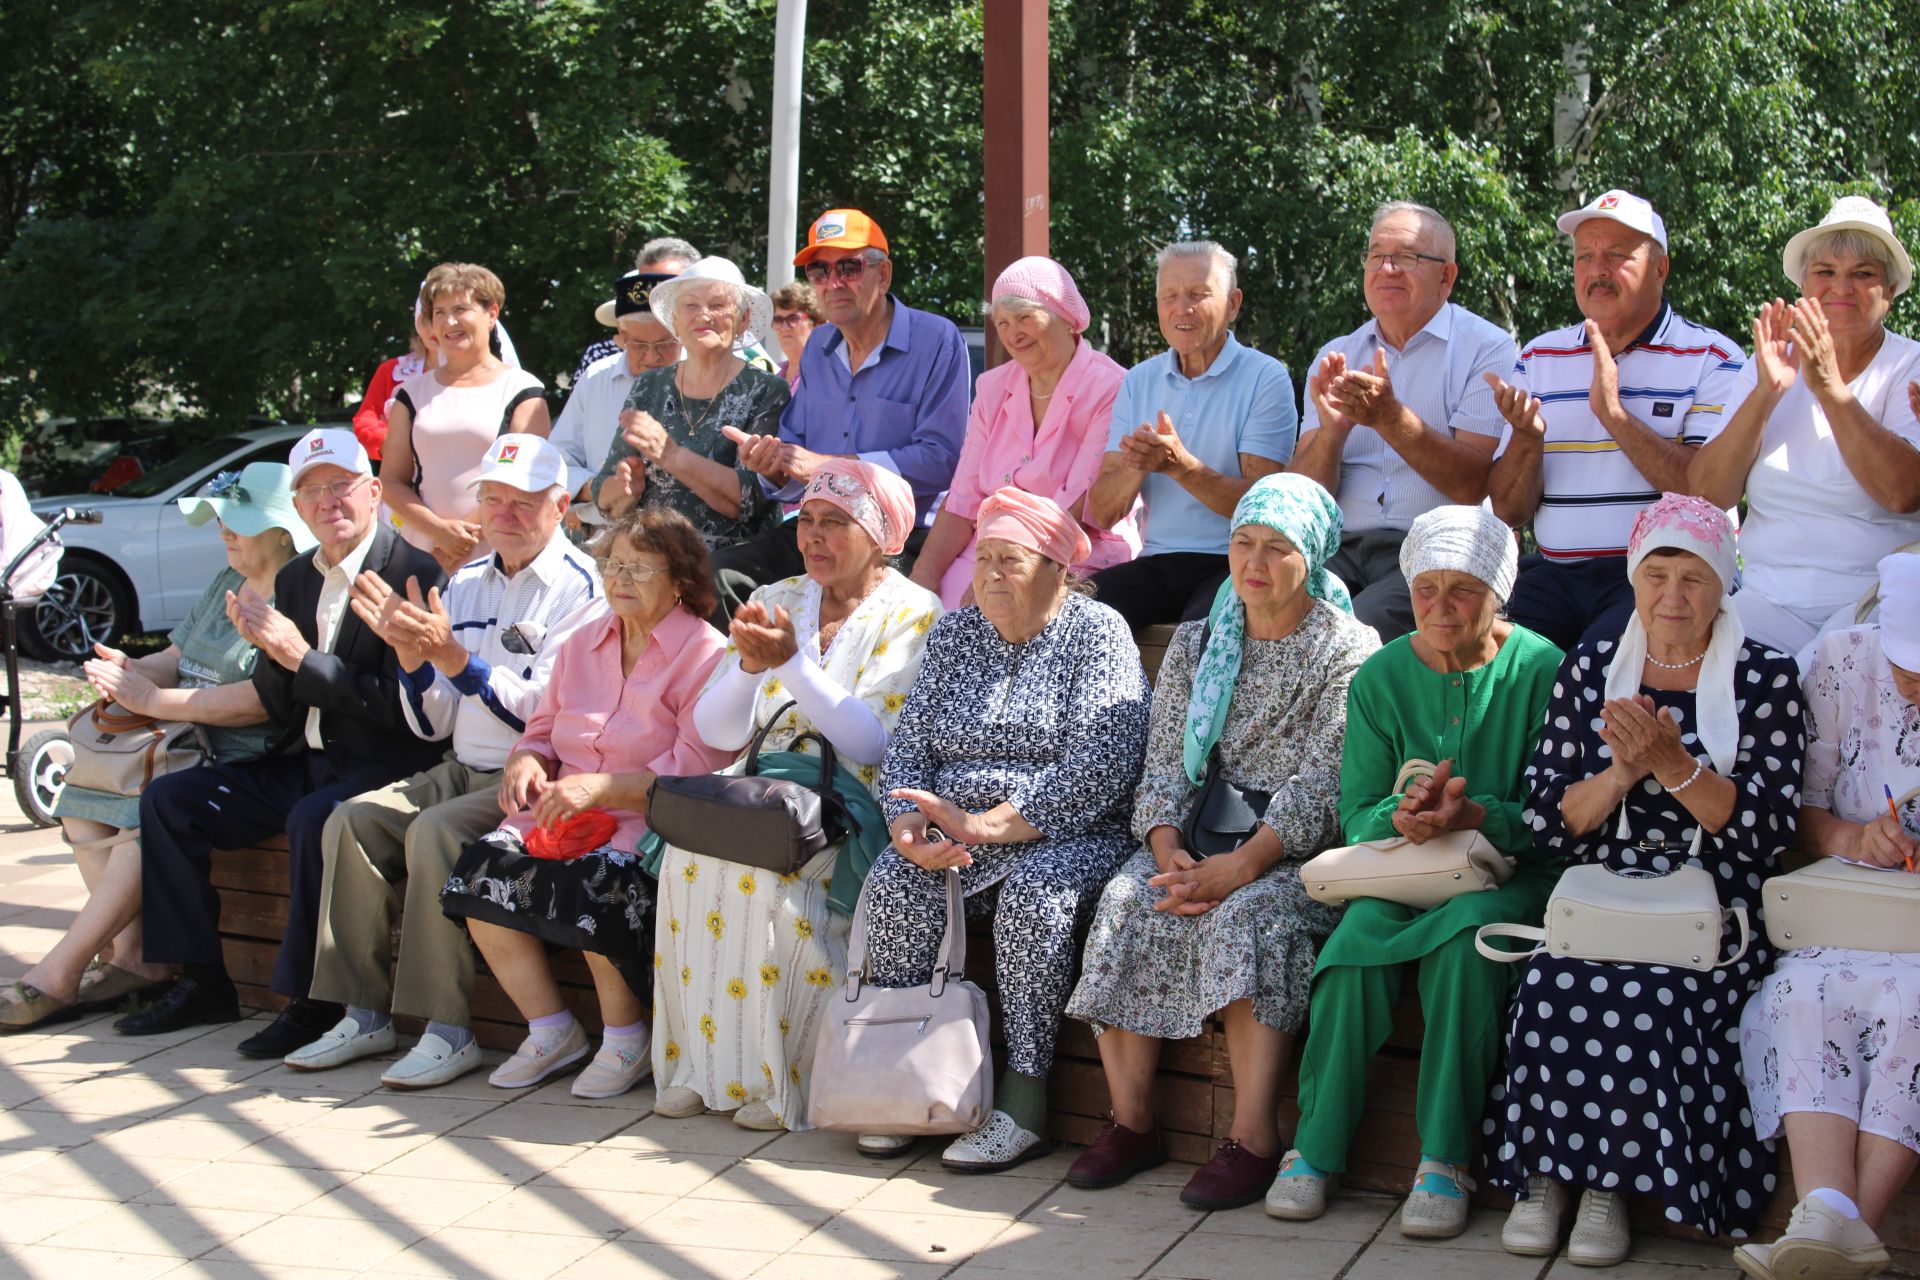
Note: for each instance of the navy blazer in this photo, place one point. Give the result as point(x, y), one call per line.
point(356, 685)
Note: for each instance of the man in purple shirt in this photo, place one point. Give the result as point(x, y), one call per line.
point(879, 381)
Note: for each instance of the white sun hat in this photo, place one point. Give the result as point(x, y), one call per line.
point(755, 326)
point(1853, 213)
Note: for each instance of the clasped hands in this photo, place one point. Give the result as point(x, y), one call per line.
point(1346, 397)
point(1644, 739)
point(774, 458)
point(116, 681)
point(1157, 448)
point(526, 781)
point(1194, 886)
point(266, 628)
point(416, 625)
point(763, 640)
point(1434, 805)
point(915, 843)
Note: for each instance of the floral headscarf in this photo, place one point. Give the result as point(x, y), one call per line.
point(1310, 519)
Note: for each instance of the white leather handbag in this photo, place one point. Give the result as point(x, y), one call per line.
point(1842, 904)
point(1398, 870)
point(1597, 914)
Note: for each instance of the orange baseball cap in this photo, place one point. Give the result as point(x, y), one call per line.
point(841, 229)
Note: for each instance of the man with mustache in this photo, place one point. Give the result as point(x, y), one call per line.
point(1602, 418)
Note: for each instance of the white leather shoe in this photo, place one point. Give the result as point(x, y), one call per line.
point(1297, 1195)
point(1821, 1243)
point(883, 1146)
point(1601, 1236)
point(1533, 1224)
point(613, 1070)
point(530, 1063)
point(432, 1061)
point(345, 1043)
point(1437, 1207)
point(998, 1144)
point(677, 1102)
point(1755, 1260)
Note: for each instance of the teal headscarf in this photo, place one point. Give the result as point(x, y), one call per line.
point(1310, 519)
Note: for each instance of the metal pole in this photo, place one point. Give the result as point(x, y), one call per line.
point(783, 184)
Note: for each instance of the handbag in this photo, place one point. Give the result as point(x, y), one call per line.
point(119, 751)
point(1598, 914)
point(1841, 904)
point(905, 1060)
point(1398, 870)
point(767, 823)
point(1224, 816)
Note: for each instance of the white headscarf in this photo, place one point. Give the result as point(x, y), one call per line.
point(1468, 540)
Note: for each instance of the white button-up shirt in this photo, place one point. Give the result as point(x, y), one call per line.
point(591, 417)
point(336, 585)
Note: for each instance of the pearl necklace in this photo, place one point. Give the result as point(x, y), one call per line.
point(1676, 666)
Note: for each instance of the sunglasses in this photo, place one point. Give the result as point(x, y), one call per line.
point(847, 270)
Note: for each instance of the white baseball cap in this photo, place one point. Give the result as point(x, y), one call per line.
point(1853, 213)
point(531, 464)
point(327, 445)
point(1623, 207)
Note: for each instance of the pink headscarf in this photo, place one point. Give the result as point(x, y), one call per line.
point(1037, 523)
point(873, 497)
point(1046, 282)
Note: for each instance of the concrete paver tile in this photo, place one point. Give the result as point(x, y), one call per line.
point(41, 1262)
point(1636, 1268)
point(164, 1229)
point(645, 1260)
point(123, 1093)
point(297, 1241)
point(760, 1181)
point(720, 1224)
point(27, 1219)
point(651, 1172)
point(225, 1184)
point(461, 1253)
point(937, 1190)
point(530, 1121)
point(800, 1266)
point(1384, 1261)
point(1680, 1253)
point(355, 1078)
point(1349, 1216)
point(818, 1146)
point(695, 1135)
point(263, 1109)
point(426, 1203)
point(208, 1139)
point(94, 1173)
point(16, 1159)
point(1483, 1232)
point(906, 1237)
point(50, 1130)
point(205, 1270)
point(1055, 1246)
point(1228, 1257)
point(480, 1160)
point(394, 1111)
point(349, 1151)
point(554, 1209)
point(1136, 1206)
point(1051, 1167)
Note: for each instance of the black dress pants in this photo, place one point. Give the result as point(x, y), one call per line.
point(1174, 586)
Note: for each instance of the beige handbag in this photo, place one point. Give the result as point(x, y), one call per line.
point(1597, 914)
point(120, 752)
point(905, 1060)
point(1398, 870)
point(1842, 904)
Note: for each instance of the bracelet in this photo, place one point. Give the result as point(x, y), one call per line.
point(1698, 769)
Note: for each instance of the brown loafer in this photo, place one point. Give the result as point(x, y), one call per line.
point(1116, 1155)
point(1235, 1176)
point(109, 986)
point(31, 1007)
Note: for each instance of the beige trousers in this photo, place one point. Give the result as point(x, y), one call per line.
point(411, 831)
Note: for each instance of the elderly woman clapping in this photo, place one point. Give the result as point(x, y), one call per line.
point(1826, 445)
point(1021, 743)
point(1828, 1042)
point(681, 427)
point(1039, 423)
point(1680, 743)
point(1253, 701)
point(1467, 689)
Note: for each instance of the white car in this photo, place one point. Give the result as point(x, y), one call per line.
point(141, 568)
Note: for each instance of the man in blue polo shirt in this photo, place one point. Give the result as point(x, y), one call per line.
point(1193, 428)
point(879, 381)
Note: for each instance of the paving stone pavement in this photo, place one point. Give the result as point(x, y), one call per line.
point(173, 1156)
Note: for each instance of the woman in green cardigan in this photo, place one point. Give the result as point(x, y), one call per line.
point(1467, 690)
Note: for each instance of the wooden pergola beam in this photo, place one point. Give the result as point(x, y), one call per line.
point(1016, 125)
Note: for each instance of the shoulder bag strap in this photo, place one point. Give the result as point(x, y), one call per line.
point(760, 737)
point(951, 963)
point(1524, 932)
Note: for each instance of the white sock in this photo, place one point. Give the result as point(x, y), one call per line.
point(368, 1019)
point(1835, 1200)
point(550, 1032)
point(627, 1038)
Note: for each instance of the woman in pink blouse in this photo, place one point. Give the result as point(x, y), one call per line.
point(1039, 423)
point(561, 870)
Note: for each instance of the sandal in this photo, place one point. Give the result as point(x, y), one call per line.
point(105, 987)
point(31, 1007)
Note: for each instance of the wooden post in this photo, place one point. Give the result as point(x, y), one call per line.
point(1015, 125)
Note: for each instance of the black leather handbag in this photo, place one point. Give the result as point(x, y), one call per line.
point(1224, 817)
point(770, 823)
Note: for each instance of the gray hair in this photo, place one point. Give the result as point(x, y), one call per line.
point(665, 249)
point(1846, 242)
point(1013, 308)
point(1437, 229)
point(1216, 253)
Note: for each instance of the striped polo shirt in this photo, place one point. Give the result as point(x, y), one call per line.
point(1677, 377)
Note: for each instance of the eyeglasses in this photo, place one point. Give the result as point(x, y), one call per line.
point(522, 637)
point(631, 570)
point(338, 490)
point(1404, 261)
point(846, 270)
point(789, 319)
point(666, 350)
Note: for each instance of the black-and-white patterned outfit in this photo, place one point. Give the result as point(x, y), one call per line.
point(1158, 974)
point(1056, 727)
point(1626, 1077)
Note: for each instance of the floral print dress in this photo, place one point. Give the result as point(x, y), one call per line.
point(745, 959)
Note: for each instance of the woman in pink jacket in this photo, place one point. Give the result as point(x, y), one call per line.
point(1039, 423)
point(561, 870)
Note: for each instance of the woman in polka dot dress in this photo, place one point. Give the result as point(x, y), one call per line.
point(1624, 1078)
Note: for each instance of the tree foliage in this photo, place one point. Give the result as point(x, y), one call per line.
point(231, 200)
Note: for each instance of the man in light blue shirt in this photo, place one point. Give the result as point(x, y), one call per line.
point(1193, 428)
point(589, 421)
point(1399, 417)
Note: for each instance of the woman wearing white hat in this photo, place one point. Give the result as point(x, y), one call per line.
point(1826, 445)
point(677, 446)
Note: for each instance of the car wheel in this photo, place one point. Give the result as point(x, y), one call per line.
point(87, 604)
point(41, 774)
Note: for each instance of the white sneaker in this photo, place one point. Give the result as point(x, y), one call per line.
point(1432, 1212)
point(677, 1102)
point(432, 1061)
point(1297, 1195)
point(345, 1043)
point(532, 1062)
point(1533, 1224)
point(1821, 1243)
point(616, 1068)
point(1601, 1236)
point(1755, 1260)
point(998, 1144)
point(884, 1146)
point(759, 1117)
